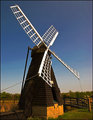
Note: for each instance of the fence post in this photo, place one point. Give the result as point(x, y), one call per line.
point(89, 104)
point(64, 100)
point(70, 100)
point(77, 100)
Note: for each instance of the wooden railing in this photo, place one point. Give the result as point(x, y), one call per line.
point(78, 102)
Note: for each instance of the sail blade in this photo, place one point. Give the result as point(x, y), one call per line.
point(47, 39)
point(45, 68)
point(26, 25)
point(76, 74)
point(50, 36)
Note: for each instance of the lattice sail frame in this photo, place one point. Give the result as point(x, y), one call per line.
point(25, 24)
point(49, 37)
point(45, 68)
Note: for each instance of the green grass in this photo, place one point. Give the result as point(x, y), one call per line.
point(78, 114)
point(34, 118)
point(75, 114)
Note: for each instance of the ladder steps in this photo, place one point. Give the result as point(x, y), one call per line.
point(48, 34)
point(19, 17)
point(38, 43)
point(12, 6)
point(32, 35)
point(23, 22)
point(35, 39)
point(16, 12)
point(29, 31)
point(51, 35)
point(25, 27)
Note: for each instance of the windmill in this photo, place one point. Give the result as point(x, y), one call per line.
point(40, 95)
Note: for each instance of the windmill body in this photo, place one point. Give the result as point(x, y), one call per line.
point(37, 97)
point(40, 95)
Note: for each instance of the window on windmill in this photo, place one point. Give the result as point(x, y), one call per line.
point(54, 94)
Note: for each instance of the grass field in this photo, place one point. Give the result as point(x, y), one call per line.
point(75, 114)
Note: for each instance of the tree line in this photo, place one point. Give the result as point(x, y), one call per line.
point(87, 94)
point(9, 96)
point(78, 94)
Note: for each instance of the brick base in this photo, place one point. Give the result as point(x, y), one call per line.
point(47, 112)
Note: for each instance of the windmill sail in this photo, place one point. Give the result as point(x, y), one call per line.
point(45, 68)
point(48, 38)
point(67, 66)
point(26, 25)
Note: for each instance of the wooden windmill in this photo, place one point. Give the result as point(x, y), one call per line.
point(40, 95)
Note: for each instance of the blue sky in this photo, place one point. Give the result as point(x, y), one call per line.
point(73, 20)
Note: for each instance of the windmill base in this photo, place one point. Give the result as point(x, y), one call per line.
point(47, 112)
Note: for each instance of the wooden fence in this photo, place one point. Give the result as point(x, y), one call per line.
point(7, 105)
point(78, 102)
